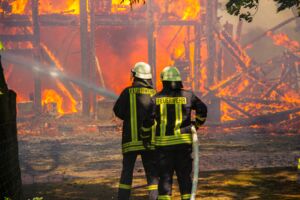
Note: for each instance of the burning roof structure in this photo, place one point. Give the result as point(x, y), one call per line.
point(99, 41)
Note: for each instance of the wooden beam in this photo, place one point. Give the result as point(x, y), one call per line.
point(17, 38)
point(84, 56)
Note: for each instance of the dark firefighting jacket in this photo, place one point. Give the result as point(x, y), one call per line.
point(173, 109)
point(133, 108)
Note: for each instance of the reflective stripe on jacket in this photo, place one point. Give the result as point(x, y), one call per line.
point(173, 116)
point(133, 107)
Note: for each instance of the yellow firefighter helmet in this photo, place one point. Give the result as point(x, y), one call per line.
point(170, 73)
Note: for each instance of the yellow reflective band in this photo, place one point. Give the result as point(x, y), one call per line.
point(186, 196)
point(163, 119)
point(132, 149)
point(148, 91)
point(145, 136)
point(152, 187)
point(1, 93)
point(132, 143)
point(178, 113)
point(201, 118)
point(299, 163)
point(146, 129)
point(171, 100)
point(135, 146)
point(164, 197)
point(125, 186)
point(1, 46)
point(133, 117)
point(173, 140)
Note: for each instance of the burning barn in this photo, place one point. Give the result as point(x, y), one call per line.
point(77, 51)
point(69, 60)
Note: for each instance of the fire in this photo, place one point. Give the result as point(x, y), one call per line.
point(117, 7)
point(72, 108)
point(51, 96)
point(46, 6)
point(185, 10)
point(192, 9)
point(51, 6)
point(121, 51)
point(282, 39)
point(18, 7)
point(53, 57)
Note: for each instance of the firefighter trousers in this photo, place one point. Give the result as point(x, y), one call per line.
point(149, 163)
point(177, 160)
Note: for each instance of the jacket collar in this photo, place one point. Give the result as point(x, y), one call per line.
point(141, 83)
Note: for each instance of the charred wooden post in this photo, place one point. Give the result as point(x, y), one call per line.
point(211, 44)
point(263, 119)
point(211, 20)
point(37, 55)
point(93, 70)
point(197, 57)
point(84, 56)
point(239, 31)
point(151, 40)
point(188, 69)
point(236, 107)
point(10, 173)
point(220, 65)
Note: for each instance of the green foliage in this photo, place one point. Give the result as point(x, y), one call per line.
point(237, 7)
point(284, 4)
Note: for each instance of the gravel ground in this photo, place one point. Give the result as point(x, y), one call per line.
point(74, 155)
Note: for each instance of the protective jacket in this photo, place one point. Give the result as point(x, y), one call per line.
point(133, 107)
point(173, 116)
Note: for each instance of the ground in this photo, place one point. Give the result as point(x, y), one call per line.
point(85, 163)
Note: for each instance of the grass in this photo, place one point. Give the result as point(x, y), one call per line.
point(269, 183)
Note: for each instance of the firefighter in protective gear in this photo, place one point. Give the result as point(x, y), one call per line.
point(173, 140)
point(133, 108)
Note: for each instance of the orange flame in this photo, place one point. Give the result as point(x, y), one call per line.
point(51, 96)
point(282, 39)
point(18, 7)
point(66, 92)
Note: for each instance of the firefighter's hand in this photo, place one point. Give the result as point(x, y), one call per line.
point(195, 125)
point(146, 137)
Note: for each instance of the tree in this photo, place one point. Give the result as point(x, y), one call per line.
point(246, 9)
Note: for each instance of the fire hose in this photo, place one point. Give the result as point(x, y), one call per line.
point(195, 163)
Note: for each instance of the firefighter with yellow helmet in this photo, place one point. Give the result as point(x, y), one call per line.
point(133, 107)
point(173, 141)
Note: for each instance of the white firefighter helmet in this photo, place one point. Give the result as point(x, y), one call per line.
point(170, 73)
point(142, 70)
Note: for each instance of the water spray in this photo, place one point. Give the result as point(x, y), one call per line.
point(54, 73)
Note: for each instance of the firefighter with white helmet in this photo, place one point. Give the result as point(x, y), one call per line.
point(138, 131)
point(173, 140)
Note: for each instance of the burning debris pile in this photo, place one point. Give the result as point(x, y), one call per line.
point(239, 90)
